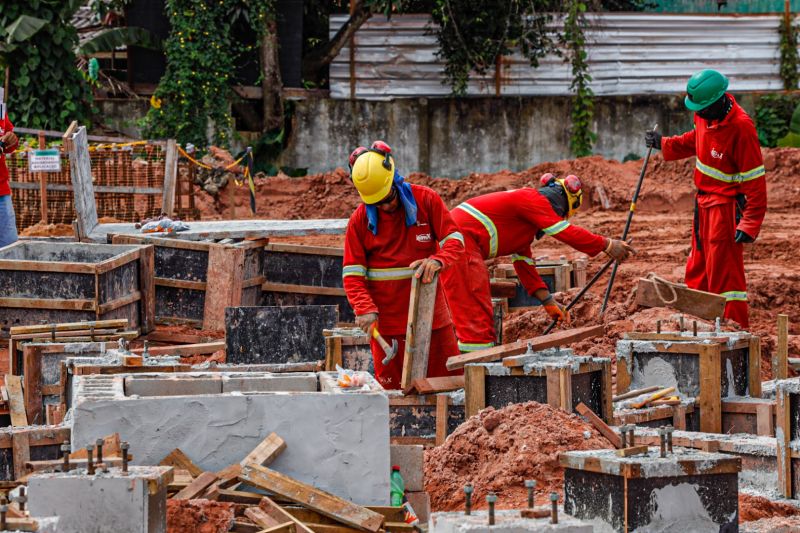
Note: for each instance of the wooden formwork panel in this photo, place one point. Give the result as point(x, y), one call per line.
point(423, 419)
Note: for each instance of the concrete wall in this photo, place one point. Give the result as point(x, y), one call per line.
point(453, 137)
point(338, 442)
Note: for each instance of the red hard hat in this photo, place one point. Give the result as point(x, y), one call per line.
point(546, 178)
point(381, 147)
point(354, 155)
point(573, 183)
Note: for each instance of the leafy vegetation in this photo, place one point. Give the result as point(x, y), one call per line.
point(772, 116)
point(789, 54)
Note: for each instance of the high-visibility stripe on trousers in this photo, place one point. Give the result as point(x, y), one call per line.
point(716, 262)
point(466, 286)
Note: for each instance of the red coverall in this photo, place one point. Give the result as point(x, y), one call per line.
point(377, 278)
point(5, 127)
point(728, 164)
point(494, 225)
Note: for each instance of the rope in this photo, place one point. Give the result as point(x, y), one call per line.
point(657, 280)
point(203, 165)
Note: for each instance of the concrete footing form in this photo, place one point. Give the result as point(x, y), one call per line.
point(505, 522)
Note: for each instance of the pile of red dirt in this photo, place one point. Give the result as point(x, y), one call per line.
point(497, 450)
point(199, 516)
point(757, 507)
point(48, 230)
point(780, 524)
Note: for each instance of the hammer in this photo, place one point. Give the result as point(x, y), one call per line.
point(390, 351)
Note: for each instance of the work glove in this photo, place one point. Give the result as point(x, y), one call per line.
point(652, 139)
point(743, 237)
point(426, 268)
point(556, 311)
point(365, 322)
point(618, 250)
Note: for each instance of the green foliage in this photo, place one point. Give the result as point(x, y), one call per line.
point(47, 91)
point(195, 91)
point(789, 54)
point(793, 137)
point(574, 40)
point(772, 116)
point(114, 38)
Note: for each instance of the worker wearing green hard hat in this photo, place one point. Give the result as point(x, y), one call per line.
point(731, 196)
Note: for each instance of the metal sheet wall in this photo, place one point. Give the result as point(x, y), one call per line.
point(629, 53)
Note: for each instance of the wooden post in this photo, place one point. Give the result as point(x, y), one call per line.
point(170, 178)
point(147, 287)
point(333, 353)
point(418, 332)
point(780, 361)
point(81, 175)
point(565, 382)
point(43, 183)
point(606, 394)
point(32, 383)
point(442, 415)
point(754, 367)
point(223, 284)
point(474, 389)
point(553, 381)
point(783, 433)
point(710, 388)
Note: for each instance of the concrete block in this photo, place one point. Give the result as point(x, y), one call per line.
point(411, 460)
point(136, 503)
point(326, 433)
point(421, 503)
point(505, 522)
point(172, 385)
point(293, 382)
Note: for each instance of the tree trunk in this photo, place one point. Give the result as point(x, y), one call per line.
point(271, 84)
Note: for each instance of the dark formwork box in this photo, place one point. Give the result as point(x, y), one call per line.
point(47, 282)
point(304, 275)
point(195, 281)
point(349, 348)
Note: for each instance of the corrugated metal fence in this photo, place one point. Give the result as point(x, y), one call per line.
point(629, 53)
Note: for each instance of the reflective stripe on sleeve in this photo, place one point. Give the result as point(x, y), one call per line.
point(455, 235)
point(491, 229)
point(752, 174)
point(517, 257)
point(466, 347)
point(354, 270)
point(735, 296)
point(556, 228)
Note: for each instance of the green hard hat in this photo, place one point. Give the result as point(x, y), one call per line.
point(704, 88)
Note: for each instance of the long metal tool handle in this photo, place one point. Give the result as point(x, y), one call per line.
point(581, 293)
point(627, 224)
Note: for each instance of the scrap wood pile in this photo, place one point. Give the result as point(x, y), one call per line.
point(288, 506)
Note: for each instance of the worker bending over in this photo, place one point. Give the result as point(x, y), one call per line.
point(731, 196)
point(507, 223)
point(401, 230)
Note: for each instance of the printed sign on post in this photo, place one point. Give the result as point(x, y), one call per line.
point(44, 161)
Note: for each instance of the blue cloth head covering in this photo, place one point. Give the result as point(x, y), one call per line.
point(406, 199)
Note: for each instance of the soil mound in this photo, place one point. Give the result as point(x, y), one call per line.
point(753, 508)
point(497, 450)
point(199, 516)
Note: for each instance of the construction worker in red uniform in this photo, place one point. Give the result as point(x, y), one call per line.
point(731, 196)
point(506, 223)
point(401, 230)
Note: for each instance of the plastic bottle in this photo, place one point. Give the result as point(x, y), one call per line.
point(398, 487)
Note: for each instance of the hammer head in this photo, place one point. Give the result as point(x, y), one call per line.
point(390, 353)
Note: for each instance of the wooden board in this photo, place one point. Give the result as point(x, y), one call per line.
point(701, 304)
point(418, 332)
point(180, 460)
point(121, 323)
point(434, 385)
point(16, 401)
point(32, 367)
point(147, 289)
point(266, 451)
point(601, 426)
point(474, 389)
point(783, 432)
point(280, 514)
point(83, 190)
point(442, 409)
point(223, 284)
point(710, 399)
point(507, 351)
point(259, 335)
point(780, 358)
point(323, 502)
point(184, 349)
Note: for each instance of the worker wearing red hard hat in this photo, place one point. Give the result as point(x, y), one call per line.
point(399, 231)
point(507, 223)
point(731, 196)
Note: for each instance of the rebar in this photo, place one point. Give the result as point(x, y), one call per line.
point(554, 508)
point(530, 484)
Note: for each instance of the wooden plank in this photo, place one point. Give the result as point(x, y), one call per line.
point(754, 367)
point(442, 418)
point(266, 452)
point(565, 384)
point(260, 518)
point(21, 452)
point(607, 406)
point(765, 422)
point(147, 307)
point(474, 389)
point(506, 351)
point(280, 514)
point(418, 332)
point(238, 496)
point(553, 381)
point(58, 335)
point(701, 304)
point(710, 398)
point(181, 284)
point(503, 289)
point(652, 397)
point(75, 304)
point(184, 349)
point(81, 176)
point(434, 385)
point(635, 393)
point(16, 401)
point(165, 242)
point(32, 379)
point(170, 178)
point(46, 266)
point(180, 460)
point(633, 450)
point(177, 338)
point(269, 286)
point(196, 487)
point(116, 323)
point(601, 426)
point(117, 261)
point(679, 417)
point(325, 503)
point(122, 301)
point(304, 249)
point(783, 433)
point(333, 353)
point(224, 284)
point(780, 358)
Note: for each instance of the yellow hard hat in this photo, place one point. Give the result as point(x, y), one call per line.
point(572, 187)
point(372, 178)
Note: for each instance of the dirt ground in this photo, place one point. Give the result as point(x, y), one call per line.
point(199, 516)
